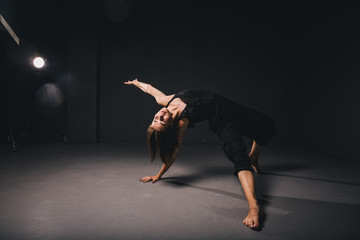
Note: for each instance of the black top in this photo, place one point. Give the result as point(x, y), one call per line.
point(222, 113)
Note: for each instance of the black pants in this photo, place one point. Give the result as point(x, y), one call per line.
point(235, 148)
point(236, 152)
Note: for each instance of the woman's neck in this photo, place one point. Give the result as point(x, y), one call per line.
point(176, 107)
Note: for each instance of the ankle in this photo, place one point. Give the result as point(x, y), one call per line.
point(254, 205)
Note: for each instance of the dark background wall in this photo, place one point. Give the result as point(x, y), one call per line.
point(295, 62)
point(326, 70)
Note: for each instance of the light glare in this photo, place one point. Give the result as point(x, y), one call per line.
point(39, 62)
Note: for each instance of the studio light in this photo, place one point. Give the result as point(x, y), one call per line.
point(39, 62)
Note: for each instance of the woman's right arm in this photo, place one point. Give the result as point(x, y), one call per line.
point(159, 96)
point(147, 88)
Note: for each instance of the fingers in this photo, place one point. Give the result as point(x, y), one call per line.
point(145, 179)
point(131, 82)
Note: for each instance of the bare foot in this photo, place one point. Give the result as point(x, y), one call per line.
point(252, 219)
point(254, 163)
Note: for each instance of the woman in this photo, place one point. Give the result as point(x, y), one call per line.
point(229, 120)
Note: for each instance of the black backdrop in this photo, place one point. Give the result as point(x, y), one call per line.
point(297, 62)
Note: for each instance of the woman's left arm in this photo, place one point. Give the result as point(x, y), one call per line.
point(182, 127)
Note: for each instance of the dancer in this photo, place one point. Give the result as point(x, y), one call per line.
point(229, 120)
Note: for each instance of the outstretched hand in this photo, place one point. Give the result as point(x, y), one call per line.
point(133, 82)
point(149, 178)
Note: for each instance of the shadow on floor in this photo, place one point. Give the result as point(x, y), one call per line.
point(286, 167)
point(311, 178)
point(217, 191)
point(264, 197)
point(205, 172)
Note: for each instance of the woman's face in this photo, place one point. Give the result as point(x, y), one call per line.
point(162, 120)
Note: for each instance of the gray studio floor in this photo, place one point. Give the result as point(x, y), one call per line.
point(91, 191)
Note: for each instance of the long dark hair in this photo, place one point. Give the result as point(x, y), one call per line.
point(163, 144)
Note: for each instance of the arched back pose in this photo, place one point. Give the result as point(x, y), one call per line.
point(229, 120)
